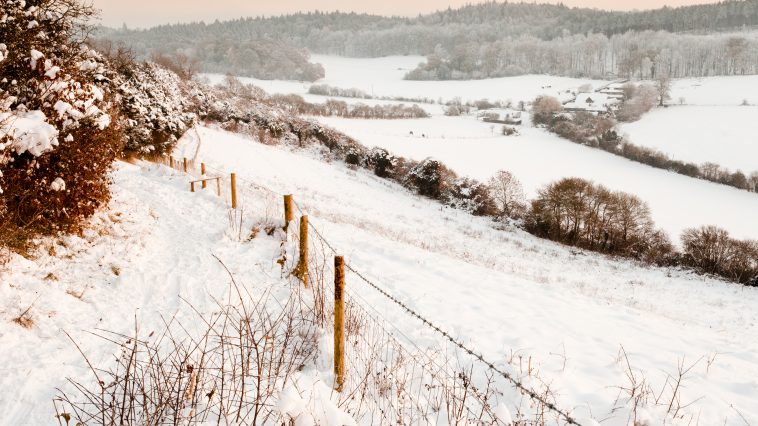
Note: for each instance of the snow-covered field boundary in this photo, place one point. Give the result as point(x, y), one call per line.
point(389, 375)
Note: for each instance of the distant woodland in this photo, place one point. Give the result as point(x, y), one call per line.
point(477, 41)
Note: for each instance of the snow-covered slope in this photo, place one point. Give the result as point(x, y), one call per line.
point(150, 257)
point(536, 157)
point(725, 135)
point(712, 91)
point(566, 312)
point(384, 77)
point(507, 292)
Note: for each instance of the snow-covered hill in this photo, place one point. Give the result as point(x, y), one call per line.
point(724, 135)
point(568, 313)
point(383, 77)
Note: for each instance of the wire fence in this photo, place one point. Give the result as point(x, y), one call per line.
point(391, 378)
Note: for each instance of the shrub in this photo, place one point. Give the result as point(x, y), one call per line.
point(56, 138)
point(544, 109)
point(430, 178)
point(509, 131)
point(712, 250)
point(472, 196)
point(381, 162)
point(577, 212)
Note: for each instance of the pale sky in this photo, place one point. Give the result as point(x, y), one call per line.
point(143, 13)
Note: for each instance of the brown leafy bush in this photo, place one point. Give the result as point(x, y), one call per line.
point(577, 212)
point(51, 184)
point(713, 251)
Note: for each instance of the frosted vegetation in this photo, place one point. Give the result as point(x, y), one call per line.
point(478, 41)
point(590, 253)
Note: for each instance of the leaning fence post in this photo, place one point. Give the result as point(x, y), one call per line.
point(185, 164)
point(288, 213)
point(202, 173)
point(234, 190)
point(301, 271)
point(339, 322)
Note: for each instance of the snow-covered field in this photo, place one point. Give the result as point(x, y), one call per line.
point(473, 148)
point(506, 291)
point(502, 292)
point(710, 91)
point(725, 135)
point(384, 77)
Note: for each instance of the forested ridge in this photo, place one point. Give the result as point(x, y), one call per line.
point(476, 36)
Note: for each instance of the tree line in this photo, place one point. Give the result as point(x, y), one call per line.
point(642, 55)
point(501, 36)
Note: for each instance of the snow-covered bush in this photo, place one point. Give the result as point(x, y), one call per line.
point(56, 137)
point(155, 106)
point(471, 196)
point(544, 109)
point(640, 99)
point(381, 162)
point(431, 178)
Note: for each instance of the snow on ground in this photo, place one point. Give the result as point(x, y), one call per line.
point(693, 133)
point(152, 249)
point(384, 77)
point(473, 148)
point(710, 91)
point(725, 135)
point(504, 291)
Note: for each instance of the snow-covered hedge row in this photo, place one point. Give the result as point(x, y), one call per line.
point(55, 120)
point(155, 107)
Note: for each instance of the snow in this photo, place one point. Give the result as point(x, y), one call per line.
point(725, 135)
point(36, 55)
point(29, 132)
point(58, 185)
point(503, 292)
point(143, 260)
point(536, 158)
point(382, 77)
point(710, 91)
point(506, 291)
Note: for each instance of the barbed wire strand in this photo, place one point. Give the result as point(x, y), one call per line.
point(515, 382)
point(507, 376)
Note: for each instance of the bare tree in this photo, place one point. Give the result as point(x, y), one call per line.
point(543, 109)
point(507, 193)
point(663, 86)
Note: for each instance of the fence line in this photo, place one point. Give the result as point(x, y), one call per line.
point(365, 307)
point(515, 382)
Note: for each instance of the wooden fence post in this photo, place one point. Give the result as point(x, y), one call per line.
point(218, 186)
point(185, 164)
point(234, 190)
point(339, 322)
point(192, 186)
point(202, 172)
point(288, 213)
point(171, 161)
point(301, 272)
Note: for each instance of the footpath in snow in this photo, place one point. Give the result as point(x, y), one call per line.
point(588, 326)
